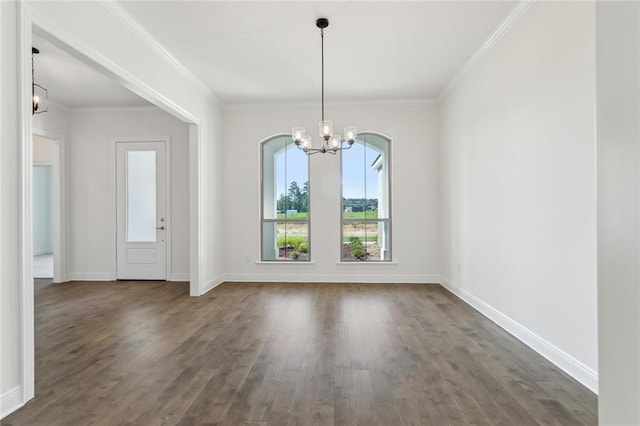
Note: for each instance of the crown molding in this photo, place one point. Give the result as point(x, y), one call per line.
point(132, 108)
point(71, 109)
point(346, 103)
point(512, 18)
point(138, 29)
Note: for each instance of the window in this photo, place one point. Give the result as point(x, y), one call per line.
point(285, 201)
point(366, 202)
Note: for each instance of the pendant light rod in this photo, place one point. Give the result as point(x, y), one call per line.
point(322, 64)
point(331, 143)
point(38, 105)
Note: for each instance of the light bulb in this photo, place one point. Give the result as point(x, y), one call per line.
point(297, 133)
point(334, 142)
point(350, 133)
point(306, 142)
point(326, 128)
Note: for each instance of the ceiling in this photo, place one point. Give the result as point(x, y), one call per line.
point(265, 52)
point(73, 84)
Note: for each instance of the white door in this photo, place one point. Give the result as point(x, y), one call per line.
point(141, 206)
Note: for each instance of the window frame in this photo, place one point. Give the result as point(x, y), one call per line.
point(388, 220)
point(263, 220)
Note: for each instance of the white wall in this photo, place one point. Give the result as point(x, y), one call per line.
point(90, 179)
point(55, 122)
point(519, 192)
point(618, 95)
point(414, 193)
point(43, 150)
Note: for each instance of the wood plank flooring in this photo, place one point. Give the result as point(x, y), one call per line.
point(145, 353)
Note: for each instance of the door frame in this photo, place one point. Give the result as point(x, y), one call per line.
point(114, 197)
point(58, 207)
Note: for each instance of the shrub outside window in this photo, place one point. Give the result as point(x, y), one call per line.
point(366, 200)
point(285, 201)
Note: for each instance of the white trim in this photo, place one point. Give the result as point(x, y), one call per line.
point(90, 276)
point(179, 276)
point(140, 31)
point(312, 104)
point(195, 196)
point(211, 284)
point(507, 23)
point(284, 263)
point(127, 108)
point(334, 278)
point(167, 210)
point(27, 327)
point(10, 401)
point(576, 369)
point(368, 265)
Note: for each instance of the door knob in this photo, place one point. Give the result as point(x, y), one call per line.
point(160, 227)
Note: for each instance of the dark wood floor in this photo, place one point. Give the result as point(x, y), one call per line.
point(145, 353)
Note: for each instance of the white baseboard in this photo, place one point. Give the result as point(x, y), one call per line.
point(106, 276)
point(576, 369)
point(10, 401)
point(333, 278)
point(179, 276)
point(90, 276)
point(211, 284)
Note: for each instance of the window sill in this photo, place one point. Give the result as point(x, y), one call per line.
point(284, 263)
point(368, 264)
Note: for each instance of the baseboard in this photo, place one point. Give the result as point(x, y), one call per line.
point(334, 278)
point(106, 276)
point(211, 284)
point(90, 276)
point(179, 276)
point(10, 401)
point(576, 369)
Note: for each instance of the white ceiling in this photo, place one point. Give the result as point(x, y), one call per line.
point(73, 84)
point(252, 52)
point(260, 52)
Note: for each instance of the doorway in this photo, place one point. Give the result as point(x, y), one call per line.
point(42, 220)
point(47, 207)
point(31, 23)
point(142, 179)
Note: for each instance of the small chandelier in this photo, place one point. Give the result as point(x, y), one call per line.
point(39, 95)
point(330, 143)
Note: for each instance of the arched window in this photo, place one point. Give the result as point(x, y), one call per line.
point(366, 200)
point(285, 201)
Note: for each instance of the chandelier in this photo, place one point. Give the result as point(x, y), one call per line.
point(38, 104)
point(330, 143)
